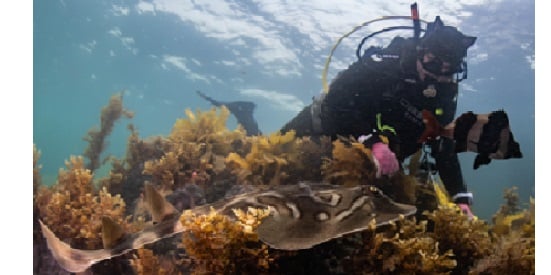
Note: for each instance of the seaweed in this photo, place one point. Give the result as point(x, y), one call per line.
point(511, 255)
point(37, 180)
point(420, 255)
point(468, 239)
point(510, 217)
point(269, 161)
point(207, 128)
point(202, 158)
point(514, 249)
point(146, 263)
point(351, 163)
point(73, 209)
point(403, 247)
point(164, 171)
point(307, 164)
point(218, 244)
point(96, 138)
point(197, 146)
point(446, 241)
point(43, 262)
point(126, 176)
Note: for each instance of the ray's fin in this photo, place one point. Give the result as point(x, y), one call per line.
point(159, 208)
point(112, 232)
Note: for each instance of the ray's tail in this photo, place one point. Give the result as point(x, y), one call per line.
point(71, 259)
point(166, 222)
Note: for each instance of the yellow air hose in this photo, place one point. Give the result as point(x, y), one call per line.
point(325, 86)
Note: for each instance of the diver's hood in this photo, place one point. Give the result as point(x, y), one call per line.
point(446, 42)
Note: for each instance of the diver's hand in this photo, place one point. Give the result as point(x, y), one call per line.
point(385, 160)
point(466, 210)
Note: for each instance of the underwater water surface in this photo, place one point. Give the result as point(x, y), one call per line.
point(159, 53)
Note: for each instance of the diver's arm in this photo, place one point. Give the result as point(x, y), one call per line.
point(449, 169)
point(443, 150)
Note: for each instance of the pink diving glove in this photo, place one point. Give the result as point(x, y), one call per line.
point(385, 160)
point(466, 210)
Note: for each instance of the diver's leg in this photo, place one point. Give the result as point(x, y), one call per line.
point(447, 163)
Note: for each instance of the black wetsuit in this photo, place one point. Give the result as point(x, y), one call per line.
point(390, 87)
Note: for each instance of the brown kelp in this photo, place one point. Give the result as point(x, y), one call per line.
point(404, 248)
point(266, 161)
point(72, 208)
point(350, 164)
point(96, 137)
point(201, 161)
point(514, 231)
point(218, 244)
point(126, 176)
point(278, 159)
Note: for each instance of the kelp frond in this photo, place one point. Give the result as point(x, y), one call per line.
point(96, 137)
point(218, 244)
point(350, 164)
point(268, 161)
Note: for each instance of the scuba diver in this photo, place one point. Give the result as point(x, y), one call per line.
point(379, 100)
